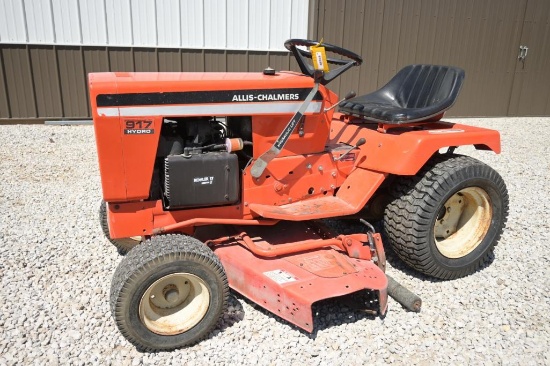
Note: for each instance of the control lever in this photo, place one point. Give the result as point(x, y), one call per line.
point(259, 165)
point(349, 95)
point(360, 142)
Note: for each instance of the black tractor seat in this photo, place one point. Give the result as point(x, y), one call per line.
point(416, 93)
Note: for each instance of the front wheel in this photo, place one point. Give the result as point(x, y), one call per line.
point(168, 292)
point(446, 220)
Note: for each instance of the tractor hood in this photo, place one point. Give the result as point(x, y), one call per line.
point(137, 94)
point(147, 82)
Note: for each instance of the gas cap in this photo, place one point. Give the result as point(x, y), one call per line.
point(269, 71)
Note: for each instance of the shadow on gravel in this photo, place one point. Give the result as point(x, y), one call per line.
point(327, 314)
point(233, 314)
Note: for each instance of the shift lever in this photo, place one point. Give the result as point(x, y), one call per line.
point(349, 95)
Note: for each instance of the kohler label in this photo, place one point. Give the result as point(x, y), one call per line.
point(203, 180)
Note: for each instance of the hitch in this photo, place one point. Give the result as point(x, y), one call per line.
point(396, 291)
point(404, 296)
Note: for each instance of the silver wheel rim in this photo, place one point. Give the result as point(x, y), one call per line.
point(174, 304)
point(463, 222)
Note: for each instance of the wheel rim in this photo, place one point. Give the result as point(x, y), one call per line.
point(463, 222)
point(174, 304)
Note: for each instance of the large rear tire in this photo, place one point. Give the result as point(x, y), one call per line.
point(168, 292)
point(123, 245)
point(446, 220)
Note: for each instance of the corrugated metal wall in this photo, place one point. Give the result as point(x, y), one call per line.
point(50, 81)
point(194, 24)
point(531, 89)
point(482, 36)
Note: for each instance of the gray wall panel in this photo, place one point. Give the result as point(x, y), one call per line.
point(278, 61)
point(96, 59)
point(531, 92)
point(73, 82)
point(19, 82)
point(145, 59)
point(352, 39)
point(4, 103)
point(192, 60)
point(257, 61)
point(215, 61)
point(371, 46)
point(121, 59)
point(169, 60)
point(236, 61)
point(331, 27)
point(46, 81)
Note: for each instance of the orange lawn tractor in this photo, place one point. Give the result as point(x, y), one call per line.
point(214, 181)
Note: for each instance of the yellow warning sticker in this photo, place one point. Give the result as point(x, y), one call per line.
point(319, 58)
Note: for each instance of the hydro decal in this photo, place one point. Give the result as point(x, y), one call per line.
point(221, 96)
point(138, 127)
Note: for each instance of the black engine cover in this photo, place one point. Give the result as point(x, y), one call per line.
point(210, 179)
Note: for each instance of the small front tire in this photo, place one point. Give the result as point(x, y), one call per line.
point(168, 292)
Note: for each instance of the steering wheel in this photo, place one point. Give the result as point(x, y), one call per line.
point(325, 78)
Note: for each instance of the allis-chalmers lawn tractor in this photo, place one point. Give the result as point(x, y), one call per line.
point(214, 181)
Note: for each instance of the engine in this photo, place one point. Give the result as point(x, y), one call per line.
point(199, 160)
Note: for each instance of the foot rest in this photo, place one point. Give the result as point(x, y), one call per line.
point(305, 210)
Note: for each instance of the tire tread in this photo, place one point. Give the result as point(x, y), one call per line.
point(407, 216)
point(150, 254)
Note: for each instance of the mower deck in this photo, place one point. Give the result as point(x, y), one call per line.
point(288, 285)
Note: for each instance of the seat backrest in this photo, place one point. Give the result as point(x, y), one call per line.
point(421, 86)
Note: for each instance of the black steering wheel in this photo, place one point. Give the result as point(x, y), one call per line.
point(324, 78)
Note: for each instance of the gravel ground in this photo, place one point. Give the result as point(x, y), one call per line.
point(56, 270)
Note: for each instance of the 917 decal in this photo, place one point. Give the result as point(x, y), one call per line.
point(138, 127)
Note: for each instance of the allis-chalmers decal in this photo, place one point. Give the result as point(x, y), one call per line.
point(138, 127)
point(265, 97)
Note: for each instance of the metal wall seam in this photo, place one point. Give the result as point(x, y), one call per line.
point(39, 22)
point(144, 23)
point(237, 24)
point(280, 25)
point(66, 21)
point(192, 24)
point(168, 20)
point(258, 24)
point(12, 22)
point(119, 22)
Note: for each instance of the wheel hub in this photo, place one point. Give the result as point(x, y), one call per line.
point(463, 222)
point(174, 303)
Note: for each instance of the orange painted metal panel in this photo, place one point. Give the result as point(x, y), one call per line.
point(404, 150)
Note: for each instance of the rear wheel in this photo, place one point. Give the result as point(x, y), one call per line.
point(123, 245)
point(168, 292)
point(446, 220)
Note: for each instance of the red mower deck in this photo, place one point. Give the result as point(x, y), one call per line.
point(288, 285)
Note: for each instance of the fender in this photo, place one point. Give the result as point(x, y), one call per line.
point(405, 150)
